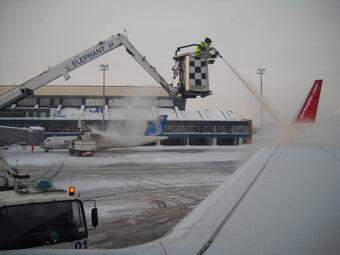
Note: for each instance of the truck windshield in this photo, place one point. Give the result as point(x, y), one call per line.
point(34, 225)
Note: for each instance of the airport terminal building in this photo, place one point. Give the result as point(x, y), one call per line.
point(60, 109)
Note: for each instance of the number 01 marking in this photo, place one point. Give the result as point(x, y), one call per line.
point(82, 244)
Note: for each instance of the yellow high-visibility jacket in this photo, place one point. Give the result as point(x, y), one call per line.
point(199, 48)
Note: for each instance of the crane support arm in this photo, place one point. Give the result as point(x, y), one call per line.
point(172, 91)
point(59, 70)
point(63, 69)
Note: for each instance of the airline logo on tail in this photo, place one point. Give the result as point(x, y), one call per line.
point(307, 113)
point(157, 126)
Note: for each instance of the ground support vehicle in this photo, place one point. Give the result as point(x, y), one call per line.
point(42, 216)
point(82, 146)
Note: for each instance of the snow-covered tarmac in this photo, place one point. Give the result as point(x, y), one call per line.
point(140, 192)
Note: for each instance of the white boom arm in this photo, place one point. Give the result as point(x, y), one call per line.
point(78, 60)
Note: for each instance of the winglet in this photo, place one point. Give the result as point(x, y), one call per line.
point(307, 113)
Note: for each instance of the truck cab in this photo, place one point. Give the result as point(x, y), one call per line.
point(35, 219)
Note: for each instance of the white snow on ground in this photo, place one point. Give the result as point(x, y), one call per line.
point(83, 171)
point(180, 154)
point(126, 181)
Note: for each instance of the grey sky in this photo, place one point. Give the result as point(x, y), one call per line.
point(296, 41)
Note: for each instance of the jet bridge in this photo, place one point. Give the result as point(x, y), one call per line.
point(30, 135)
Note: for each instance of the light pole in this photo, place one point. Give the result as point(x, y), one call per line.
point(104, 68)
point(261, 71)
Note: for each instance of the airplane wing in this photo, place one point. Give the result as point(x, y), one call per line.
point(284, 200)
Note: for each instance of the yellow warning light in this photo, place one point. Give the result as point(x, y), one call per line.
point(71, 190)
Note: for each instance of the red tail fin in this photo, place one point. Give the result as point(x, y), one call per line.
point(310, 107)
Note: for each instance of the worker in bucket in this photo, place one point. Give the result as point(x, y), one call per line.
point(203, 49)
point(202, 46)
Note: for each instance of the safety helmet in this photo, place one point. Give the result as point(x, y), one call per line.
point(207, 40)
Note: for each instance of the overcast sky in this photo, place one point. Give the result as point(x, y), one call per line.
point(295, 41)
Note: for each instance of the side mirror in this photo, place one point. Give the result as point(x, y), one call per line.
point(94, 216)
